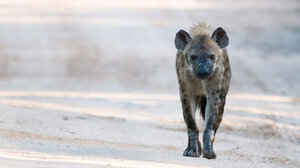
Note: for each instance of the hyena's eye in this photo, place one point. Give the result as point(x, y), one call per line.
point(193, 57)
point(212, 57)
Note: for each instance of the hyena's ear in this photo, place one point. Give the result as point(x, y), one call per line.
point(220, 37)
point(182, 39)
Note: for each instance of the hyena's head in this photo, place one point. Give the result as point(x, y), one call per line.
point(202, 52)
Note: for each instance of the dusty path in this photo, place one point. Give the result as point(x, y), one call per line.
point(47, 129)
point(91, 83)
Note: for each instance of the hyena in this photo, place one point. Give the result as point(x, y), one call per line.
point(203, 73)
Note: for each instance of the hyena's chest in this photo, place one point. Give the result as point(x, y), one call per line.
point(197, 88)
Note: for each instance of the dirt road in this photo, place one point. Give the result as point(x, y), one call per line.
point(55, 129)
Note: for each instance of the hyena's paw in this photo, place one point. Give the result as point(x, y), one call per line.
point(209, 154)
point(193, 150)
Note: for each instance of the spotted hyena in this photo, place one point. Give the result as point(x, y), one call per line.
point(203, 73)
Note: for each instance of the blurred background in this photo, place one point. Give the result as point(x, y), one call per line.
point(128, 44)
point(89, 83)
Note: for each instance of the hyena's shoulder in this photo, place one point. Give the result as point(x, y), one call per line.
point(225, 76)
point(226, 64)
point(181, 65)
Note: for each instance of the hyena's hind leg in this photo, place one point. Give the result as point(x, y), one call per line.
point(188, 106)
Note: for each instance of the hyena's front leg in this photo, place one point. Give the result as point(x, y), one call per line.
point(194, 147)
point(213, 118)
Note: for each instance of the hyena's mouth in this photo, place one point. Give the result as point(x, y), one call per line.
point(202, 75)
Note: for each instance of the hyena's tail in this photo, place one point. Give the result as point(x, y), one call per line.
point(201, 104)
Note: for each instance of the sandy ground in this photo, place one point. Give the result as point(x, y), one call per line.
point(91, 83)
